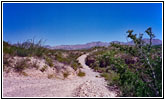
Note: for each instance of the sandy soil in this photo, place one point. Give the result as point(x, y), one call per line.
point(88, 86)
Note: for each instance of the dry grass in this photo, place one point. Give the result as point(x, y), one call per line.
point(24, 74)
point(21, 65)
point(44, 68)
point(50, 76)
point(81, 74)
point(65, 74)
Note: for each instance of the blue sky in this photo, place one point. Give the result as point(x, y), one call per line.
point(78, 23)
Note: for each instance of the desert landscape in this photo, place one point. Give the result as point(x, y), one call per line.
point(31, 70)
point(73, 86)
point(79, 50)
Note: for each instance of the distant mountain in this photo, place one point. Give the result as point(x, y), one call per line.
point(48, 46)
point(147, 41)
point(100, 44)
point(82, 46)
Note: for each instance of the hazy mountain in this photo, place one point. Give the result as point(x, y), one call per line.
point(147, 41)
point(82, 46)
point(100, 44)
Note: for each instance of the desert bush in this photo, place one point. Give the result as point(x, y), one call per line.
point(96, 69)
point(27, 48)
point(22, 52)
point(112, 77)
point(35, 65)
point(75, 66)
point(30, 48)
point(59, 57)
point(65, 74)
point(6, 63)
point(9, 49)
point(70, 59)
point(20, 65)
point(122, 76)
point(50, 76)
point(5, 60)
point(49, 61)
point(44, 68)
point(81, 74)
point(145, 55)
point(105, 75)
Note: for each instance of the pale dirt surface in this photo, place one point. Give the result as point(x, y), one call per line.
point(88, 86)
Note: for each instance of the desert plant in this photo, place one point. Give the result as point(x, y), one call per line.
point(65, 74)
point(50, 76)
point(145, 52)
point(8, 49)
point(30, 48)
point(20, 65)
point(105, 75)
point(44, 68)
point(128, 67)
point(49, 61)
point(81, 74)
point(5, 61)
point(35, 65)
point(27, 48)
point(74, 65)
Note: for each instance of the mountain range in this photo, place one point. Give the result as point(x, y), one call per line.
point(100, 44)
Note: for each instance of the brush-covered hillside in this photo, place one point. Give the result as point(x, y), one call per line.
point(32, 59)
point(135, 69)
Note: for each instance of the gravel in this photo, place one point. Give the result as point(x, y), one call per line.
point(87, 86)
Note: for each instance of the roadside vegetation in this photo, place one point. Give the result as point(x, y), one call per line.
point(81, 74)
point(135, 69)
point(30, 48)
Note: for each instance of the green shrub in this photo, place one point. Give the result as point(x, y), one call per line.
point(49, 61)
point(22, 52)
point(81, 74)
point(145, 54)
point(70, 59)
point(133, 79)
point(74, 65)
point(63, 60)
point(105, 75)
point(27, 48)
point(8, 49)
point(114, 78)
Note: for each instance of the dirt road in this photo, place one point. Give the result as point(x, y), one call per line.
point(88, 86)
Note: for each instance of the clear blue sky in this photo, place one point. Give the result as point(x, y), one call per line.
point(78, 23)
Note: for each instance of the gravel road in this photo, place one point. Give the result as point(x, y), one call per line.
point(87, 86)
